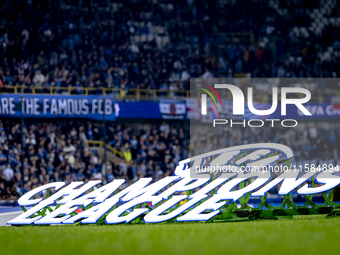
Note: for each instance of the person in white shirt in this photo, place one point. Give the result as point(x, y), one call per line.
point(31, 140)
point(207, 74)
point(8, 172)
point(178, 64)
point(38, 78)
point(185, 75)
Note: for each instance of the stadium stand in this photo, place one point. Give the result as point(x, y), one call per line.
point(119, 47)
point(51, 47)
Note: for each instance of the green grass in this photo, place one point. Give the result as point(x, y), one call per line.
point(300, 235)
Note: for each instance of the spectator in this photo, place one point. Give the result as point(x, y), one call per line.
point(8, 172)
point(3, 137)
point(3, 159)
point(38, 78)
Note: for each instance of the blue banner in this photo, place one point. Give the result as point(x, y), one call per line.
point(94, 106)
point(165, 109)
point(139, 110)
point(58, 106)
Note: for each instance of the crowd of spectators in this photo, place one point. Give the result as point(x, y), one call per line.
point(59, 151)
point(87, 44)
point(97, 44)
point(311, 141)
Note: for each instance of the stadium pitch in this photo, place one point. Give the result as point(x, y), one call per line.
point(297, 235)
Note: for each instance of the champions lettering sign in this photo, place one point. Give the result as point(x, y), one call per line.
point(217, 197)
point(58, 106)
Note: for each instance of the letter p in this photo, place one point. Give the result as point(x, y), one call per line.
point(219, 122)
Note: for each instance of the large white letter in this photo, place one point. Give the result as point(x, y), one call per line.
point(114, 216)
point(184, 185)
point(238, 97)
point(290, 181)
point(25, 199)
point(225, 192)
point(326, 178)
point(196, 213)
point(93, 214)
point(261, 112)
point(297, 102)
point(69, 192)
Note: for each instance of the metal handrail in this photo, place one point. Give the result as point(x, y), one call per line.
point(101, 144)
point(140, 94)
